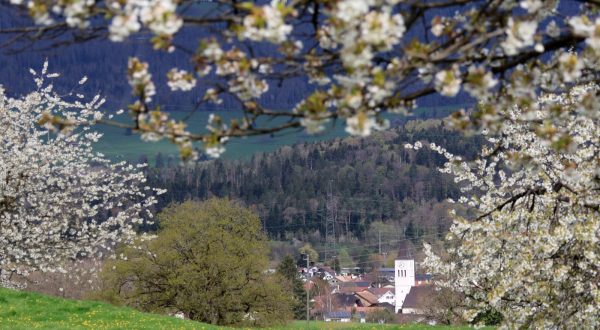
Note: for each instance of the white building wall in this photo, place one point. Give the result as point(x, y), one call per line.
point(326, 319)
point(389, 298)
point(411, 311)
point(404, 278)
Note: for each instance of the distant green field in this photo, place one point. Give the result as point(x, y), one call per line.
point(117, 144)
point(25, 310)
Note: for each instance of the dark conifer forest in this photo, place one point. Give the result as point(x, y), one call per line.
point(364, 179)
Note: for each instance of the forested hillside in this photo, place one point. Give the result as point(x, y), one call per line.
point(370, 179)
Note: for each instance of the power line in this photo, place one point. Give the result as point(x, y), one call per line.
point(331, 217)
point(375, 244)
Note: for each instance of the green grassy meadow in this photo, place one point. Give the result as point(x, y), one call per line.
point(25, 310)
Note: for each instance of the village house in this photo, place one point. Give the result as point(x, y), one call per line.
point(386, 273)
point(351, 287)
point(351, 271)
point(384, 295)
point(344, 316)
point(338, 316)
point(326, 273)
point(399, 290)
point(366, 297)
point(307, 273)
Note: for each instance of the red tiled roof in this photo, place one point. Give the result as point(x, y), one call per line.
point(328, 269)
point(352, 289)
point(367, 297)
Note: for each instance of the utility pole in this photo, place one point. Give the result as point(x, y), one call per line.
point(379, 238)
point(330, 219)
point(307, 291)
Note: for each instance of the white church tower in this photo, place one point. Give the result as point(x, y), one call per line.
point(404, 278)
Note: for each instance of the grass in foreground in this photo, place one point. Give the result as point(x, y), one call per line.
point(25, 310)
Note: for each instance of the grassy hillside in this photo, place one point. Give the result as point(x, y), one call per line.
point(25, 310)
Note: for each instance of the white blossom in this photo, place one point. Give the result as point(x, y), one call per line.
point(531, 6)
point(140, 79)
point(381, 29)
point(212, 96)
point(352, 10)
point(58, 197)
point(570, 66)
point(532, 247)
point(448, 82)
point(363, 124)
point(591, 30)
point(180, 80)
point(479, 82)
point(215, 151)
point(160, 17)
point(519, 34)
point(313, 125)
point(123, 25)
point(364, 57)
point(213, 51)
point(581, 25)
point(267, 23)
point(437, 26)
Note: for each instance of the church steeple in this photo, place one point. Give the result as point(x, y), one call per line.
point(404, 279)
point(406, 250)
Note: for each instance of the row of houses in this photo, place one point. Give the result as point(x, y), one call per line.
point(398, 290)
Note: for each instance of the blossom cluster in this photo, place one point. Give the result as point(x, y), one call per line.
point(267, 23)
point(364, 57)
point(532, 250)
point(59, 199)
point(181, 80)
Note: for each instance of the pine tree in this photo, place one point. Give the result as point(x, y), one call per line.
point(336, 265)
point(287, 269)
